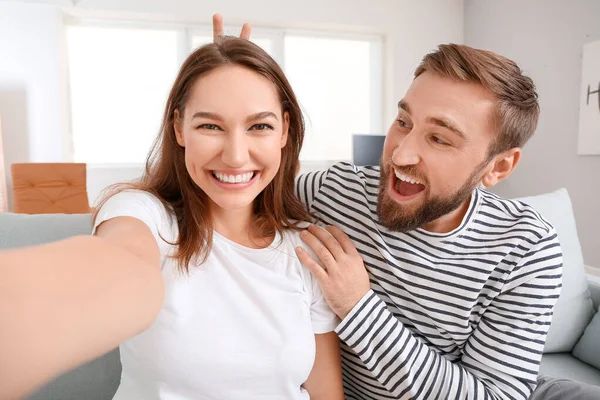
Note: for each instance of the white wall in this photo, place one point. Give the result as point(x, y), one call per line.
point(33, 117)
point(545, 37)
point(33, 83)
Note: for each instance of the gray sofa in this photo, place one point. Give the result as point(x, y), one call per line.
point(572, 348)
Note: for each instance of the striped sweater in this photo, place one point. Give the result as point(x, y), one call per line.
point(461, 315)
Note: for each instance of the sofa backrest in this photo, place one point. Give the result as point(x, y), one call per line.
point(574, 308)
point(99, 379)
point(19, 230)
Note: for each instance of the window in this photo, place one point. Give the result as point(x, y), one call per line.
point(120, 77)
point(332, 80)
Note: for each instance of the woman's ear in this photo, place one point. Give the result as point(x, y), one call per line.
point(286, 127)
point(177, 126)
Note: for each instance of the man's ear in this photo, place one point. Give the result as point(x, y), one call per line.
point(286, 127)
point(501, 167)
point(177, 126)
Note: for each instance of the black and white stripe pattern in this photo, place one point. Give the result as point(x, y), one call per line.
point(462, 315)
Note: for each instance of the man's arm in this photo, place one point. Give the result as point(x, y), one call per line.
point(500, 359)
point(308, 186)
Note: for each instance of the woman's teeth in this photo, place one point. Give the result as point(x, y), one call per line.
point(240, 178)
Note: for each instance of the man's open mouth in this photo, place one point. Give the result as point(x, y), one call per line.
point(407, 186)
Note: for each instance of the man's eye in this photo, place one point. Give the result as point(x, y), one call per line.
point(402, 123)
point(439, 141)
point(261, 127)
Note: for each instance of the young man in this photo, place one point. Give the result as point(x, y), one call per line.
point(462, 282)
point(445, 290)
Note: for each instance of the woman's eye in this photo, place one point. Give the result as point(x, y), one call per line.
point(261, 127)
point(210, 127)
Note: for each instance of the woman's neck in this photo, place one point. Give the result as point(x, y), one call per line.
point(239, 227)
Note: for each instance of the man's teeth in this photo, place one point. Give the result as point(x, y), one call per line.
point(406, 178)
point(240, 178)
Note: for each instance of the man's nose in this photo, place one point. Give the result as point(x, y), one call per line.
point(407, 152)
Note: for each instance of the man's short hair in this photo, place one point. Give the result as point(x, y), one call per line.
point(517, 109)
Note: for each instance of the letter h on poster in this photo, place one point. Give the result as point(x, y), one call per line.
point(589, 101)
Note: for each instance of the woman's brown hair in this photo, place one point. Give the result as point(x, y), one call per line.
point(276, 208)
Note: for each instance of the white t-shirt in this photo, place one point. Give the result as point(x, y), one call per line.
point(239, 326)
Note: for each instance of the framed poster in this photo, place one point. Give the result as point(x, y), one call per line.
point(589, 101)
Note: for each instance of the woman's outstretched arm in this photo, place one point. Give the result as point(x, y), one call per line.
point(65, 303)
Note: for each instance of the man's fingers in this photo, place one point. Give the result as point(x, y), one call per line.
point(217, 27)
point(246, 30)
point(319, 249)
point(343, 240)
point(314, 267)
point(328, 240)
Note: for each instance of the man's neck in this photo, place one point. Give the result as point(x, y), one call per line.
point(451, 221)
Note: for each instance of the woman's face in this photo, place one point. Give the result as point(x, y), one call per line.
point(233, 131)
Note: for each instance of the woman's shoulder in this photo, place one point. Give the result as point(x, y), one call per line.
point(139, 204)
point(291, 236)
point(137, 199)
point(323, 319)
point(135, 196)
point(291, 240)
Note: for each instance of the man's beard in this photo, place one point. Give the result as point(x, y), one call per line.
point(398, 219)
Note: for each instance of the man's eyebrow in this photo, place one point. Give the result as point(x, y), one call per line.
point(448, 124)
point(439, 121)
point(403, 105)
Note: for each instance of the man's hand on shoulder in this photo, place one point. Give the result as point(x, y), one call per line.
point(342, 277)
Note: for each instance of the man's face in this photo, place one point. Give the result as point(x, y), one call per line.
point(435, 153)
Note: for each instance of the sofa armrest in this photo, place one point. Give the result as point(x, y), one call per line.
point(594, 286)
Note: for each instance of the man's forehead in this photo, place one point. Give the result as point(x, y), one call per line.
point(430, 94)
point(462, 117)
point(450, 87)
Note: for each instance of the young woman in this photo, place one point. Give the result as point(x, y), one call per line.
point(216, 214)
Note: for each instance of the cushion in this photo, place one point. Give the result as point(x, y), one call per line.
point(564, 365)
point(588, 347)
point(48, 188)
point(97, 380)
point(594, 286)
point(574, 308)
